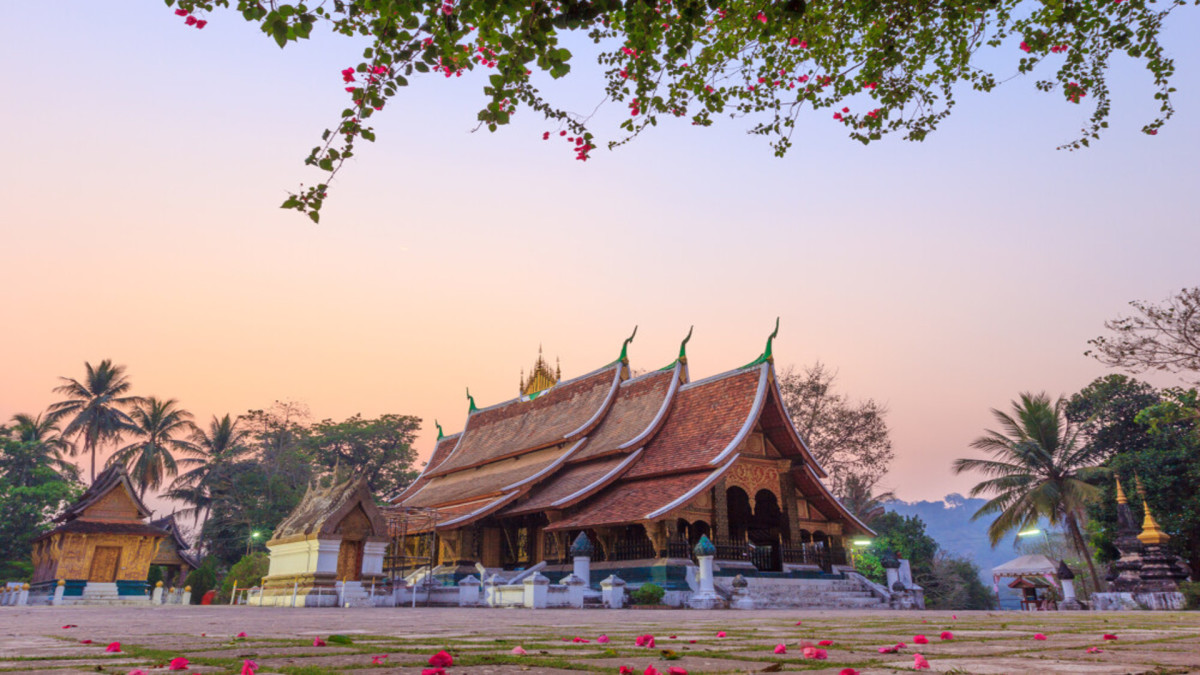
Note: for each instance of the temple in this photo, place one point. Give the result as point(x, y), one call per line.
point(102, 550)
point(642, 466)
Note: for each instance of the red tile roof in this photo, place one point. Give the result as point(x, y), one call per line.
point(705, 419)
point(449, 490)
point(629, 501)
point(565, 483)
point(568, 409)
point(636, 408)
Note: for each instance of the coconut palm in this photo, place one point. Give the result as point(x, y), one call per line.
point(212, 451)
point(156, 425)
point(858, 498)
point(95, 406)
point(50, 447)
point(1040, 469)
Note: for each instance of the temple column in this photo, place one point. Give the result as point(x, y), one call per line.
point(657, 531)
point(720, 511)
point(787, 487)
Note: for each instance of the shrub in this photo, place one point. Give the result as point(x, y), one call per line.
point(202, 579)
point(648, 594)
point(247, 572)
point(155, 576)
point(1191, 594)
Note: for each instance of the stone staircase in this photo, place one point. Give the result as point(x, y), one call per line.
point(780, 593)
point(354, 595)
point(105, 594)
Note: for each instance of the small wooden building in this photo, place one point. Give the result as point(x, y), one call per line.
point(328, 547)
point(173, 553)
point(103, 547)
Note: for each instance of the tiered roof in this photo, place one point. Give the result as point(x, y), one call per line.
point(109, 505)
point(606, 448)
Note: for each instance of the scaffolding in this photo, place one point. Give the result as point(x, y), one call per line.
point(413, 548)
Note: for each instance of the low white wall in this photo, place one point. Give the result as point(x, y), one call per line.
point(301, 557)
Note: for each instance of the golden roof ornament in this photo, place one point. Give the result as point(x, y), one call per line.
point(1121, 499)
point(541, 377)
point(1151, 533)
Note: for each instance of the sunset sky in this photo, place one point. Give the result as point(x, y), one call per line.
point(145, 162)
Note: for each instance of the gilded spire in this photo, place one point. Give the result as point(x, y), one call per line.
point(1121, 499)
point(541, 377)
point(1141, 488)
point(1151, 533)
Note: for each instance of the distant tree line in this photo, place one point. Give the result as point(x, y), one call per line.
point(233, 478)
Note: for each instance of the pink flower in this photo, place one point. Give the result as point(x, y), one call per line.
point(201, 24)
point(651, 670)
point(626, 670)
point(947, 635)
point(848, 671)
point(720, 633)
point(1094, 650)
point(1024, 46)
point(795, 42)
point(645, 641)
point(799, 623)
point(138, 671)
point(433, 671)
point(954, 616)
point(379, 659)
point(761, 17)
point(1039, 636)
point(85, 642)
point(181, 12)
point(869, 85)
point(241, 634)
point(1110, 636)
point(920, 640)
point(248, 667)
point(112, 647)
point(348, 75)
point(901, 645)
point(676, 670)
point(70, 625)
point(889, 650)
point(178, 663)
point(318, 642)
point(603, 639)
point(518, 651)
point(815, 653)
point(825, 643)
point(191, 21)
point(920, 663)
point(441, 659)
point(780, 649)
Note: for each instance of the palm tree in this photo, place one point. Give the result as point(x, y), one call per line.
point(149, 459)
point(42, 431)
point(95, 406)
point(1039, 470)
point(213, 452)
point(46, 447)
point(858, 499)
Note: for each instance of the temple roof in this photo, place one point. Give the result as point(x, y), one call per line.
point(168, 523)
point(322, 509)
point(566, 412)
point(102, 527)
point(639, 410)
point(572, 484)
point(108, 480)
point(631, 501)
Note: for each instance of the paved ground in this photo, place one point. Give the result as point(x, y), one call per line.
point(33, 640)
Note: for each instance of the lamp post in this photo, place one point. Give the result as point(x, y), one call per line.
point(251, 540)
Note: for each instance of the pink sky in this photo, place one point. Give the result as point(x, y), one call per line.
point(146, 162)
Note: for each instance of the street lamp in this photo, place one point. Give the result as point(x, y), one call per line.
point(250, 542)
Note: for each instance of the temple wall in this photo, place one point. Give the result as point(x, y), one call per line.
point(305, 557)
point(74, 560)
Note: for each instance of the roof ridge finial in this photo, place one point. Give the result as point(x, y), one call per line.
point(624, 358)
point(439, 428)
point(471, 399)
point(683, 345)
point(768, 355)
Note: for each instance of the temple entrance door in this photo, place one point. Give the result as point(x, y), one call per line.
point(350, 560)
point(489, 551)
point(105, 560)
point(765, 531)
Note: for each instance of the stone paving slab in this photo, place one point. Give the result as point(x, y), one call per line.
point(481, 639)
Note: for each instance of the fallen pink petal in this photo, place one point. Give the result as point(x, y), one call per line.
point(780, 649)
point(241, 634)
point(651, 670)
point(318, 642)
point(518, 651)
point(947, 635)
point(848, 671)
point(178, 663)
point(920, 663)
point(1039, 636)
point(676, 670)
point(441, 659)
point(825, 643)
point(112, 647)
point(379, 659)
point(721, 634)
point(1110, 636)
point(920, 640)
point(1094, 650)
point(626, 670)
point(248, 667)
point(603, 639)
